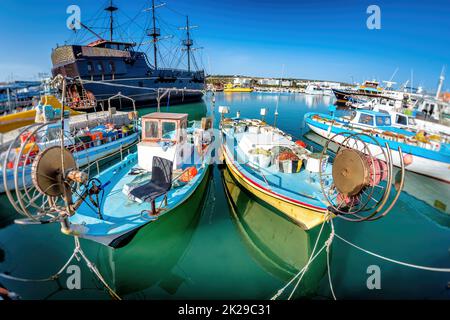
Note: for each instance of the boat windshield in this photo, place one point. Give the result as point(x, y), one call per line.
point(403, 120)
point(169, 130)
point(383, 121)
point(366, 119)
point(151, 129)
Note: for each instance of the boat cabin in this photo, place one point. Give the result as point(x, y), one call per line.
point(161, 126)
point(369, 87)
point(163, 135)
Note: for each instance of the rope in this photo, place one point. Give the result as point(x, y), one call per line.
point(328, 243)
point(309, 260)
point(415, 266)
point(77, 251)
point(279, 292)
point(302, 272)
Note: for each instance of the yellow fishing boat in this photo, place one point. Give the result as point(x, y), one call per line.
point(21, 119)
point(301, 185)
point(231, 88)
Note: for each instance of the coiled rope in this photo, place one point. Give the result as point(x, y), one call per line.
point(77, 253)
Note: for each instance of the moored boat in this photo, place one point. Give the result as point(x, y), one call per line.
point(250, 148)
point(171, 162)
point(87, 140)
point(109, 65)
point(24, 118)
point(285, 175)
point(429, 153)
point(236, 88)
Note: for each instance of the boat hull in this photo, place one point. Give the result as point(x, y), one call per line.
point(300, 213)
point(144, 97)
point(115, 231)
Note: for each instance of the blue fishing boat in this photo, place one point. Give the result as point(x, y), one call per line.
point(427, 154)
point(87, 144)
point(171, 162)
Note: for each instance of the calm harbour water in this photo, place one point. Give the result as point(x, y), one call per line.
point(228, 245)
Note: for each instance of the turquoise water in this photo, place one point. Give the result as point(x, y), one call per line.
point(226, 244)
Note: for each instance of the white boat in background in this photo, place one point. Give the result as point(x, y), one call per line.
point(314, 89)
point(429, 154)
point(404, 116)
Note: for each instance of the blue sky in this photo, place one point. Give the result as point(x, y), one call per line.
point(319, 39)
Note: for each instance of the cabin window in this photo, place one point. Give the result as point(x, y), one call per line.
point(366, 119)
point(151, 129)
point(169, 130)
point(111, 67)
point(100, 67)
point(183, 128)
point(402, 120)
point(383, 121)
point(90, 67)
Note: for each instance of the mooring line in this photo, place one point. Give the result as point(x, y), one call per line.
point(415, 266)
point(301, 273)
point(74, 255)
point(328, 243)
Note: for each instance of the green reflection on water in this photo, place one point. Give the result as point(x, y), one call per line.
point(246, 253)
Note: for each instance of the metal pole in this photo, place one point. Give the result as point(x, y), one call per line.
point(8, 92)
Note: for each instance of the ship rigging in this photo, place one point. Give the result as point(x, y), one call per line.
point(114, 62)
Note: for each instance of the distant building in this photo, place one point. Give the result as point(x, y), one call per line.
point(286, 83)
point(268, 82)
point(242, 81)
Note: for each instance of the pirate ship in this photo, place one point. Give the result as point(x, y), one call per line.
point(107, 66)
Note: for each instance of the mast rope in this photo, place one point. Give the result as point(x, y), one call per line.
point(76, 254)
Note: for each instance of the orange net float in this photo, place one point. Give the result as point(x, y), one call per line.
point(98, 135)
point(300, 143)
point(188, 174)
point(24, 136)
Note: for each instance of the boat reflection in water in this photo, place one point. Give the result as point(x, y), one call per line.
point(150, 257)
point(278, 245)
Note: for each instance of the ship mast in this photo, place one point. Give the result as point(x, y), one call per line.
point(154, 32)
point(188, 42)
point(111, 10)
